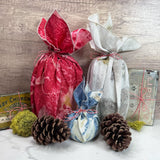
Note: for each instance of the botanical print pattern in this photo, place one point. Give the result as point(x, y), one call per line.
point(112, 79)
point(108, 73)
point(56, 74)
point(84, 122)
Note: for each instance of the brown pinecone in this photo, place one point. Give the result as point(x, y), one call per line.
point(47, 130)
point(116, 132)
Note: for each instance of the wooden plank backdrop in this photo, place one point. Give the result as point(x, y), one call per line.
point(20, 44)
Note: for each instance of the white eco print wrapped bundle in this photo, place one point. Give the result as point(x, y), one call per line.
point(109, 73)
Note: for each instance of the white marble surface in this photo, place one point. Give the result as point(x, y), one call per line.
point(145, 146)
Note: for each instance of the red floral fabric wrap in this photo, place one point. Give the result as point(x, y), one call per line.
point(56, 74)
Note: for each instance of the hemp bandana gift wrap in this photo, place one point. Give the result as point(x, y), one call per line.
point(56, 74)
point(84, 123)
point(109, 72)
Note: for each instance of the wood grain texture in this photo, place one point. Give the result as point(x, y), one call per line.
point(20, 44)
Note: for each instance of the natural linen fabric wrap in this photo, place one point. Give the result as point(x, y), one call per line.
point(108, 73)
point(57, 74)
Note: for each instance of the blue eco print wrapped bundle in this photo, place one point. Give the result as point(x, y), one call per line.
point(84, 123)
point(109, 73)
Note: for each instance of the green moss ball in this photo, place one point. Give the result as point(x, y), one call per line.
point(22, 123)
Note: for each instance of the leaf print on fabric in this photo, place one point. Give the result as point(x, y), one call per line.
point(56, 74)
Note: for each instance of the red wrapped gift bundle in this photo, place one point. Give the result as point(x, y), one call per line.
point(56, 74)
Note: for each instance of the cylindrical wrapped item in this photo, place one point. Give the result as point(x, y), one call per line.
point(111, 76)
point(109, 72)
point(56, 74)
point(84, 123)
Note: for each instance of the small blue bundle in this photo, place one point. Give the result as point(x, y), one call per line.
point(84, 123)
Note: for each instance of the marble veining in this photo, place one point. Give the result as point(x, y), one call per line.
point(144, 146)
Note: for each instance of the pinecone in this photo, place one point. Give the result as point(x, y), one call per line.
point(47, 130)
point(116, 132)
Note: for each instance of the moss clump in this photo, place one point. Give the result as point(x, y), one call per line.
point(22, 123)
point(136, 125)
